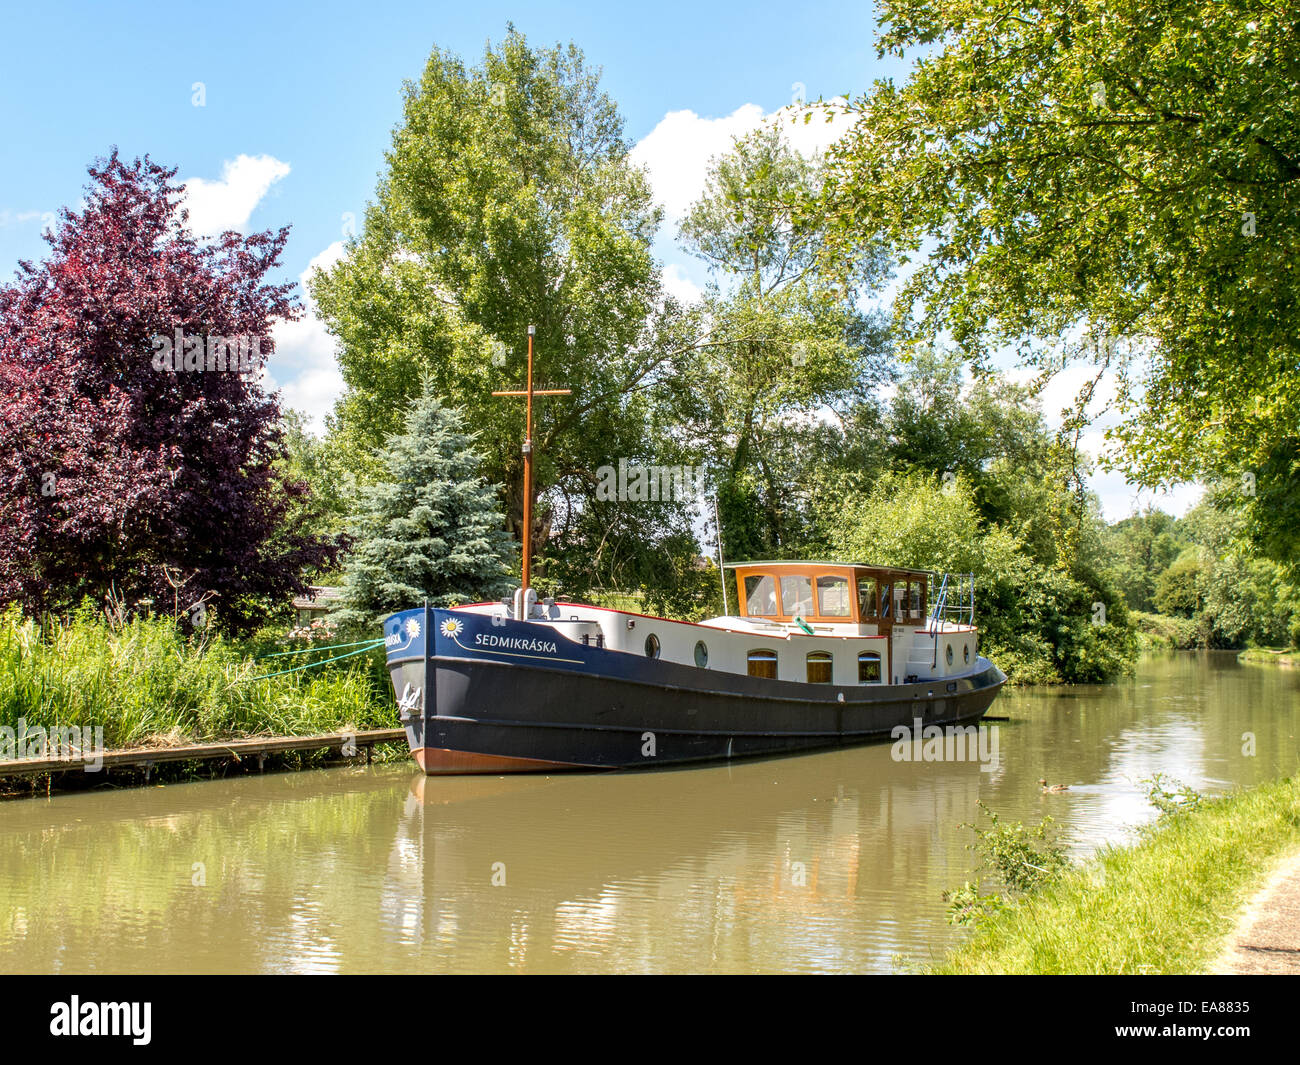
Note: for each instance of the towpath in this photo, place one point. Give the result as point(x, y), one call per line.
point(1267, 937)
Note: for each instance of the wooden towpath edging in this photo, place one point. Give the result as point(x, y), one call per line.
point(255, 747)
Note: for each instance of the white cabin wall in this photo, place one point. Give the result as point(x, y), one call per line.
point(728, 649)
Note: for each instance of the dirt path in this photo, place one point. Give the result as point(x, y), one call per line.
point(1267, 937)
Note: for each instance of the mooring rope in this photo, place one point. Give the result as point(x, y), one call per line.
point(323, 662)
point(322, 647)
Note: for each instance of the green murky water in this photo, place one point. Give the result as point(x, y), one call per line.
point(825, 862)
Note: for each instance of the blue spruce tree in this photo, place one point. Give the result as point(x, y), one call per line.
point(431, 528)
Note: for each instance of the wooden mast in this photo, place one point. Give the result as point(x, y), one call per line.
point(529, 393)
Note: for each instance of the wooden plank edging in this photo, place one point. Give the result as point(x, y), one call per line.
point(255, 745)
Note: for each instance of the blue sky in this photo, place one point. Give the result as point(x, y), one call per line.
point(298, 104)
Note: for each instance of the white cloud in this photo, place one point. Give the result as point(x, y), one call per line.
point(678, 150)
point(16, 218)
point(228, 203)
point(679, 286)
point(304, 366)
point(1119, 497)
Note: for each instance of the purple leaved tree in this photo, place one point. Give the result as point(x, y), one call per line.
point(138, 450)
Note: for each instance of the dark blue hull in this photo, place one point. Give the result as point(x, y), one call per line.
point(506, 699)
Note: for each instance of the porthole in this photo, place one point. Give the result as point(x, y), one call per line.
point(950, 654)
point(652, 646)
point(965, 652)
point(701, 654)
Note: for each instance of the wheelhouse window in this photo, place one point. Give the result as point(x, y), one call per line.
point(760, 596)
point(868, 604)
point(833, 597)
point(900, 601)
point(886, 601)
point(819, 667)
point(914, 594)
point(869, 667)
point(796, 596)
point(762, 663)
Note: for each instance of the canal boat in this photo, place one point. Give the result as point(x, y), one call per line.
point(818, 654)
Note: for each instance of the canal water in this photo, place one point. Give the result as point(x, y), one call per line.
point(830, 862)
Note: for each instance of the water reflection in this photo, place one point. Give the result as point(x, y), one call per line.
point(826, 862)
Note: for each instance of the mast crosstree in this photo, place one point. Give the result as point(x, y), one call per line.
point(529, 392)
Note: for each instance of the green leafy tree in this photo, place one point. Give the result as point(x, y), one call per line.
point(1039, 619)
point(1121, 174)
point(781, 337)
point(1176, 591)
point(1142, 548)
point(309, 459)
point(509, 200)
point(431, 528)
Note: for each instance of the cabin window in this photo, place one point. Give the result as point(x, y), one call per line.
point(869, 667)
point(762, 663)
point(965, 652)
point(833, 597)
point(949, 654)
point(886, 601)
point(796, 596)
point(701, 654)
point(914, 590)
point(760, 596)
point(867, 597)
point(819, 667)
point(652, 646)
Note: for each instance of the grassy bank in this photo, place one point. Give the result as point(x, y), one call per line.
point(1266, 656)
point(1160, 906)
point(145, 682)
point(1159, 632)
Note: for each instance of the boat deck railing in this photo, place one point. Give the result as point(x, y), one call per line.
point(954, 601)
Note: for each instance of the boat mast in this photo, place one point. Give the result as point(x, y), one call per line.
point(722, 566)
point(529, 393)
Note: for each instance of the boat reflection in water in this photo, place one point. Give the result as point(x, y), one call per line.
point(772, 865)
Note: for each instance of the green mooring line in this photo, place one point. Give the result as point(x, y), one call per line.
point(322, 647)
point(312, 665)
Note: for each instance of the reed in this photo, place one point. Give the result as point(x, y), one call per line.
point(144, 681)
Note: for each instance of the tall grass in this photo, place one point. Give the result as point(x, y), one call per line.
point(144, 681)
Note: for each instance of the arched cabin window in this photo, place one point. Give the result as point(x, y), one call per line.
point(869, 667)
point(819, 667)
point(762, 663)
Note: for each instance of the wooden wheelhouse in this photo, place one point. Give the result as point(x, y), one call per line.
point(831, 593)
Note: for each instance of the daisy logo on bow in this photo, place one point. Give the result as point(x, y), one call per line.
point(452, 627)
point(412, 628)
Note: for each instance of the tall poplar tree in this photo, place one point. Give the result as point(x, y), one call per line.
point(508, 200)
